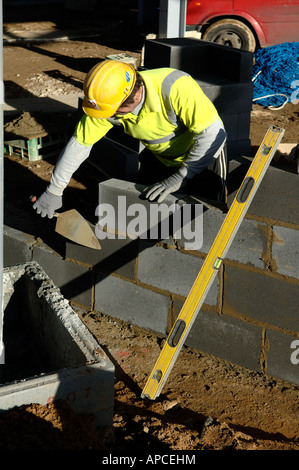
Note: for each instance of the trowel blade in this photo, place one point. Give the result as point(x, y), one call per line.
point(72, 225)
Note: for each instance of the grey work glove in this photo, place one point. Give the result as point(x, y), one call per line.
point(47, 204)
point(164, 188)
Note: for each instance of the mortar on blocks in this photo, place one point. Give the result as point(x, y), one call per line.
point(49, 353)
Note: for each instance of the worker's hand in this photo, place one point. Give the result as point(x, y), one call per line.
point(47, 204)
point(165, 187)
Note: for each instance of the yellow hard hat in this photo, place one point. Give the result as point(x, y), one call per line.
point(106, 87)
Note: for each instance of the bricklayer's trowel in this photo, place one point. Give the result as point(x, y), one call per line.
point(72, 225)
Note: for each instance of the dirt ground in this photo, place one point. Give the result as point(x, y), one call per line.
point(207, 403)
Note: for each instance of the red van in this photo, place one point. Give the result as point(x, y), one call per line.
point(244, 24)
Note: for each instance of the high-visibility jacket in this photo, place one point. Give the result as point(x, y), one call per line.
point(174, 111)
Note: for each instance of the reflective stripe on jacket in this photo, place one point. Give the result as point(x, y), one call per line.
point(174, 111)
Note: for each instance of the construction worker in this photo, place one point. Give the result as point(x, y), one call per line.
point(184, 138)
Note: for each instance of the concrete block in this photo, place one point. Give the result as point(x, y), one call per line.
point(271, 199)
point(262, 297)
point(74, 281)
point(285, 250)
point(228, 98)
point(145, 220)
point(281, 361)
point(237, 125)
point(117, 256)
point(195, 56)
point(238, 147)
point(123, 57)
point(172, 271)
point(226, 337)
point(131, 303)
point(56, 357)
point(249, 243)
point(16, 246)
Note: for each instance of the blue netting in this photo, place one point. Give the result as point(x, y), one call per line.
point(276, 71)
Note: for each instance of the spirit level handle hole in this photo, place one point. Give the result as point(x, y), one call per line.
point(176, 334)
point(245, 189)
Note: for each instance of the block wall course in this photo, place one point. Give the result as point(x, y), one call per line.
point(228, 98)
point(248, 246)
point(122, 162)
point(237, 147)
point(236, 125)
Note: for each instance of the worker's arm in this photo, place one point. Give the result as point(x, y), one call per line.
point(68, 162)
point(77, 150)
point(87, 133)
point(70, 159)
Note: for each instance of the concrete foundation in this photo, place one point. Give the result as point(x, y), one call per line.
point(49, 353)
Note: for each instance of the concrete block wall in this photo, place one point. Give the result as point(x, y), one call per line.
point(250, 315)
point(251, 311)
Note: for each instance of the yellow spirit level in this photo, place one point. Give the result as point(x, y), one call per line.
point(212, 263)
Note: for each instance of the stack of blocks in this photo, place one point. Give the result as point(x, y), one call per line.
point(223, 73)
